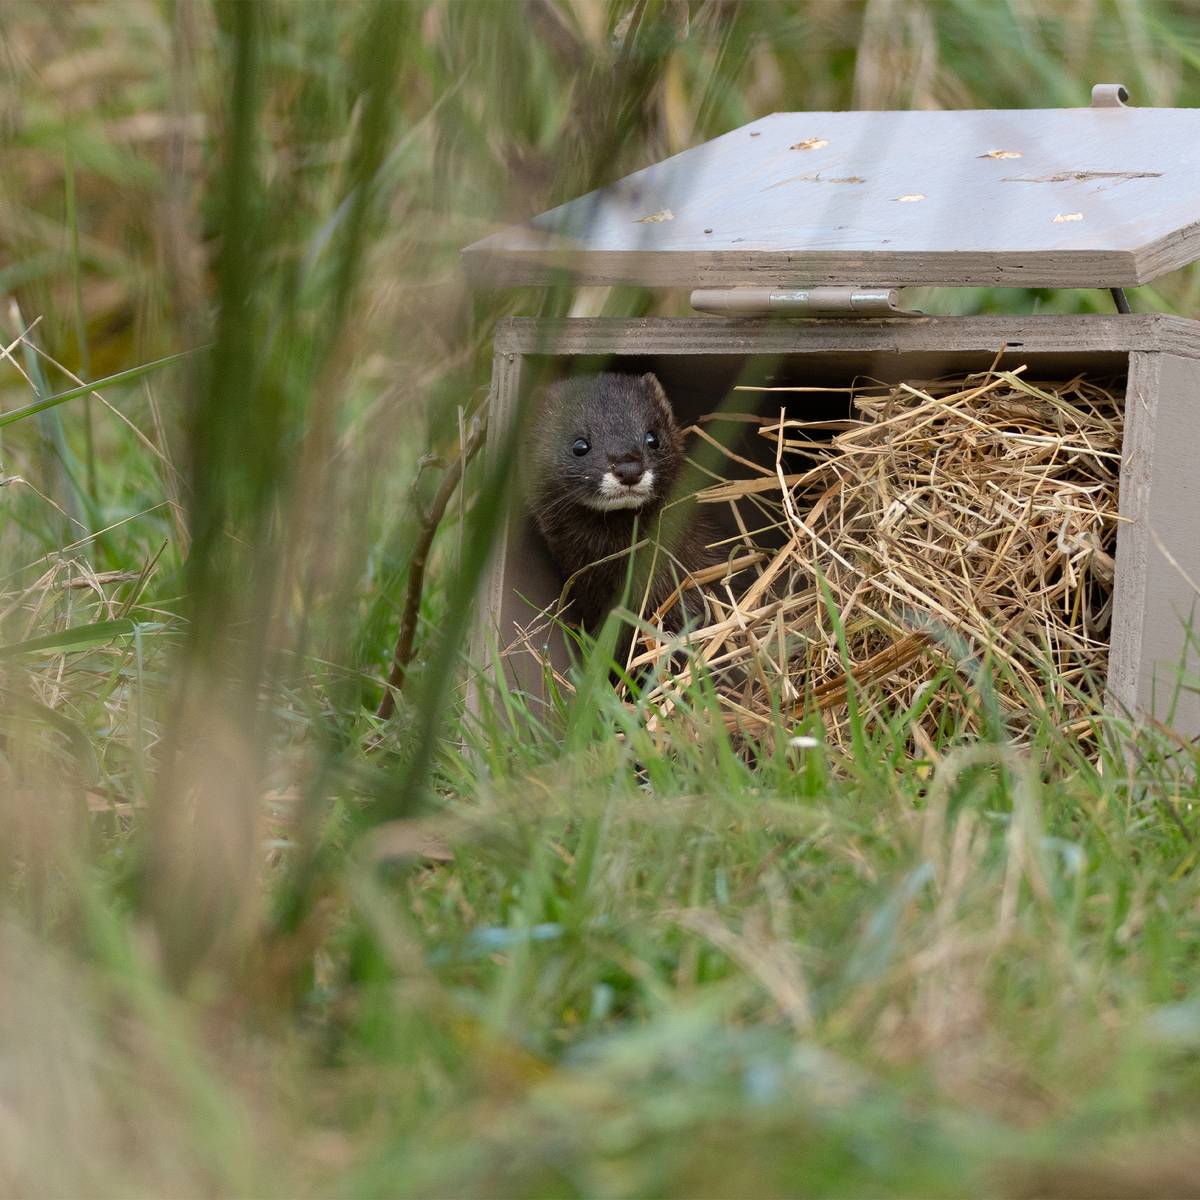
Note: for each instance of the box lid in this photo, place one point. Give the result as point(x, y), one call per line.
point(1091, 197)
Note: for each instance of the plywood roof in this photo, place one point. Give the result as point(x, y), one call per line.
point(1084, 197)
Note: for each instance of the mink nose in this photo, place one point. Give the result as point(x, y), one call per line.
point(629, 473)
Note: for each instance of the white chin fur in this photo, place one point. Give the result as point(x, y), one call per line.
point(613, 494)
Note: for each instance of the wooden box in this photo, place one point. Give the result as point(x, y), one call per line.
point(857, 204)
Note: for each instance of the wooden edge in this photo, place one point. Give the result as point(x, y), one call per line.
point(499, 258)
point(1156, 594)
point(506, 259)
point(721, 335)
point(1172, 251)
point(502, 406)
point(1129, 588)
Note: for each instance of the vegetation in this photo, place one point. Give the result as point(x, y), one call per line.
point(257, 942)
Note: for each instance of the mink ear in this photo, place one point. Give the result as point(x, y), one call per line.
point(660, 396)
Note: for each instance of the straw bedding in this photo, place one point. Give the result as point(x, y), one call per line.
point(945, 535)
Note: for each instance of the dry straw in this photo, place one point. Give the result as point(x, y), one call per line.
point(955, 530)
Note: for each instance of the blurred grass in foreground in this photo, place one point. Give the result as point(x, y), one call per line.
point(220, 973)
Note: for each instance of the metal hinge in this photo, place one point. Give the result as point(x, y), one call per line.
point(803, 302)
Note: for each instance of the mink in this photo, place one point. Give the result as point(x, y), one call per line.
point(606, 454)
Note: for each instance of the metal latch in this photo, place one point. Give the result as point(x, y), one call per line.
point(1109, 95)
point(803, 302)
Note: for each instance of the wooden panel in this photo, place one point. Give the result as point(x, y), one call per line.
point(496, 592)
point(1028, 197)
point(520, 580)
point(1083, 335)
point(1160, 486)
point(1158, 547)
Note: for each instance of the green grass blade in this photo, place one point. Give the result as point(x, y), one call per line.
point(84, 389)
point(78, 637)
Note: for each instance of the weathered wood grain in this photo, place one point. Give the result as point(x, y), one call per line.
point(758, 335)
point(1157, 593)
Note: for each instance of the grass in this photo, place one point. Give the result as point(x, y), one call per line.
point(241, 952)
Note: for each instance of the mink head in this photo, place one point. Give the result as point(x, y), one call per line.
point(608, 443)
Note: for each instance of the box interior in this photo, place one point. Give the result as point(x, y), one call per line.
point(697, 386)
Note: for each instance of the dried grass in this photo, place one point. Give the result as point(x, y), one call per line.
point(960, 528)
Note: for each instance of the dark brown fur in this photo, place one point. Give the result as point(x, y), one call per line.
point(612, 414)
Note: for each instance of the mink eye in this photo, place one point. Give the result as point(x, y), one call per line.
point(581, 447)
point(651, 439)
